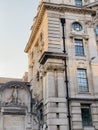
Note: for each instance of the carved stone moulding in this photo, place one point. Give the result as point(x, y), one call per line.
point(68, 8)
point(53, 67)
point(15, 96)
point(83, 35)
point(52, 55)
point(13, 110)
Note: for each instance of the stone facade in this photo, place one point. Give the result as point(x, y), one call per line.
point(15, 105)
point(46, 63)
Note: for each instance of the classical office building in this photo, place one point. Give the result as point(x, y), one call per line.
point(62, 93)
point(63, 64)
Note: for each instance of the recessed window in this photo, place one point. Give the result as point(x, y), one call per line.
point(86, 115)
point(97, 30)
point(41, 114)
point(79, 49)
point(82, 80)
point(97, 43)
point(78, 2)
point(58, 127)
point(76, 26)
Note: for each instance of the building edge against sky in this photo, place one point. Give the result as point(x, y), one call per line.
point(63, 101)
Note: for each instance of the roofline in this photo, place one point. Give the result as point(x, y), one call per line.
point(47, 5)
point(91, 4)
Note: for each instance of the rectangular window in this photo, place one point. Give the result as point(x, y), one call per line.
point(79, 49)
point(86, 115)
point(41, 114)
point(82, 80)
point(78, 2)
point(58, 127)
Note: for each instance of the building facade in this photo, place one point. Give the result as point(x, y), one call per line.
point(72, 103)
point(62, 93)
point(15, 104)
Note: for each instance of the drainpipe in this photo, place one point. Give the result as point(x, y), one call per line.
point(66, 78)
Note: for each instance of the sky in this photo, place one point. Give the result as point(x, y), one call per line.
point(16, 19)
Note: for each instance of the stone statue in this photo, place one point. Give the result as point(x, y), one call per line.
point(15, 95)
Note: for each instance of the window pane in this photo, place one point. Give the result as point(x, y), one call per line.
point(97, 30)
point(79, 49)
point(86, 115)
point(82, 80)
point(78, 2)
point(76, 26)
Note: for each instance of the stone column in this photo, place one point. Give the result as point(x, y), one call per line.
point(50, 84)
point(44, 88)
point(1, 120)
point(92, 42)
point(61, 85)
point(30, 67)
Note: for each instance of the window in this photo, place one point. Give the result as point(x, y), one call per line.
point(86, 115)
point(41, 114)
point(82, 80)
point(77, 26)
point(58, 127)
point(97, 30)
point(79, 49)
point(78, 2)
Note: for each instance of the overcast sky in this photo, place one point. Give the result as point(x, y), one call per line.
point(16, 19)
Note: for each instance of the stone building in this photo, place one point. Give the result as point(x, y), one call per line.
point(62, 88)
point(15, 104)
point(65, 82)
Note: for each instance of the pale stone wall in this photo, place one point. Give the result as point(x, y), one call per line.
point(14, 123)
point(47, 79)
point(38, 47)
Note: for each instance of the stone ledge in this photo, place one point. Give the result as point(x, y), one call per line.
point(54, 100)
point(55, 110)
point(52, 55)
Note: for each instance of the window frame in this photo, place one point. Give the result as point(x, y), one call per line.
point(84, 79)
point(96, 30)
point(76, 26)
point(79, 47)
point(78, 3)
point(87, 109)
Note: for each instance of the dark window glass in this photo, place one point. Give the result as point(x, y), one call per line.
point(82, 80)
point(77, 26)
point(79, 49)
point(97, 30)
point(78, 2)
point(86, 115)
point(41, 114)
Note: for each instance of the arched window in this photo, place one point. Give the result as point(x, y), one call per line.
point(97, 30)
point(76, 26)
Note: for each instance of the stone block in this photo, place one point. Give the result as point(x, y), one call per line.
point(89, 128)
point(77, 125)
point(57, 121)
point(52, 127)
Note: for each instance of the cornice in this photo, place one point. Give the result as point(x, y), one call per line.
point(84, 36)
point(91, 4)
point(53, 55)
point(57, 7)
point(68, 8)
point(35, 26)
